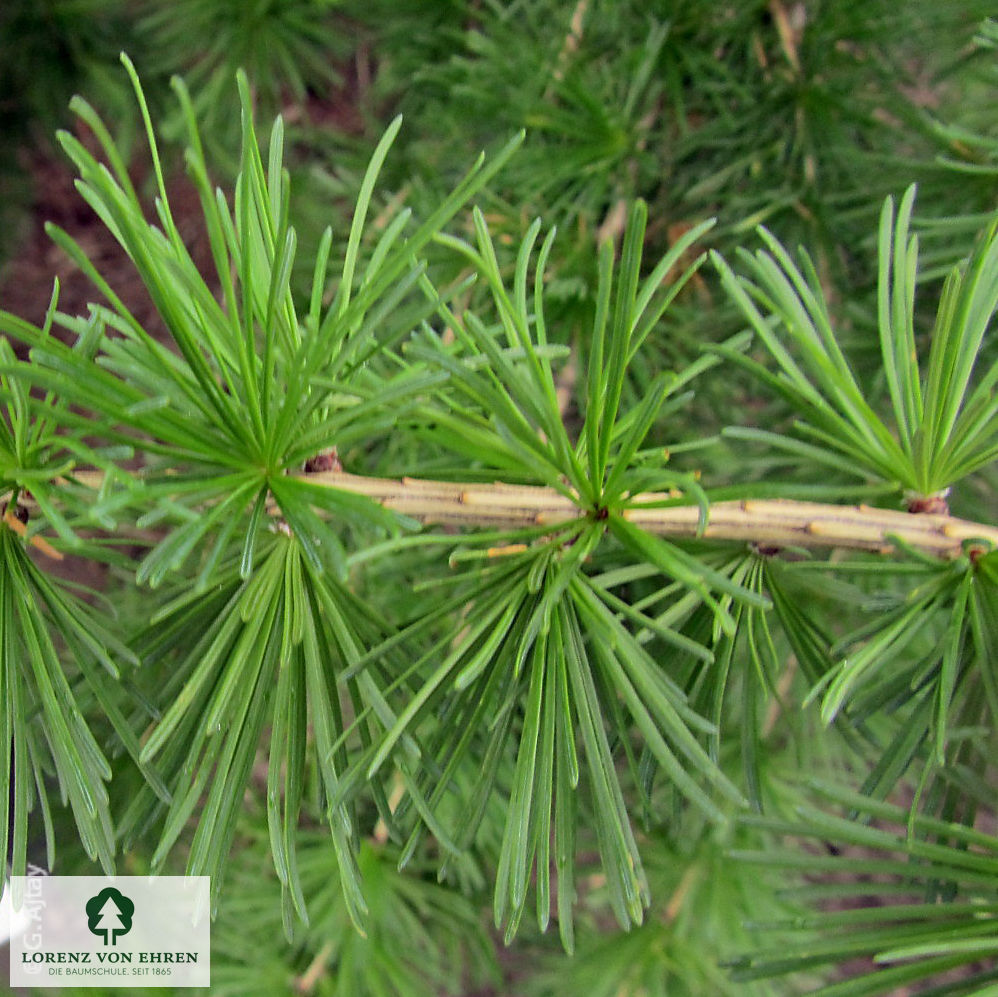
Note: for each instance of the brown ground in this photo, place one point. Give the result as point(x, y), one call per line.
point(26, 278)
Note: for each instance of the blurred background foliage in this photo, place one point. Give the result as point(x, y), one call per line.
point(801, 116)
point(798, 115)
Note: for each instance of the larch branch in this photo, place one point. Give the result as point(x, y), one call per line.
point(770, 522)
point(766, 522)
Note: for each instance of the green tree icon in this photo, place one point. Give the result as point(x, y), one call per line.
point(109, 913)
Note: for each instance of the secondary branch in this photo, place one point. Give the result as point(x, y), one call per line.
point(766, 522)
point(769, 522)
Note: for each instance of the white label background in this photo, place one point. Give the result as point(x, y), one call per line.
point(171, 916)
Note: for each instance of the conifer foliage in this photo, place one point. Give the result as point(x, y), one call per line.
point(571, 567)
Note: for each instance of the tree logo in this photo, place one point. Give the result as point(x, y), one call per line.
point(110, 914)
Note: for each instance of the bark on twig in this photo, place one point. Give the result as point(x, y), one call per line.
point(771, 522)
point(765, 522)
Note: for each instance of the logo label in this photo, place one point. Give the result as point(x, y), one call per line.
point(93, 931)
point(110, 914)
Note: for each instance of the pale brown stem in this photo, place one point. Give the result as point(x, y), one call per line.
point(678, 898)
point(307, 982)
point(569, 46)
point(768, 522)
point(765, 522)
